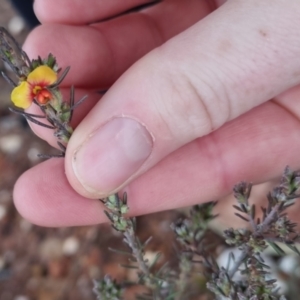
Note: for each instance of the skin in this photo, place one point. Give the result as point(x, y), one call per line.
point(214, 83)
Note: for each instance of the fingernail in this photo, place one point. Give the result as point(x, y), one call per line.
point(111, 155)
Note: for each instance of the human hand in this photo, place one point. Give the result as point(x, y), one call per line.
point(199, 113)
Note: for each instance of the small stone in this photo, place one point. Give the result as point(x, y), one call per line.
point(51, 249)
point(70, 246)
point(21, 297)
point(2, 211)
point(32, 154)
point(2, 262)
point(16, 25)
point(11, 143)
point(288, 264)
point(224, 258)
point(150, 256)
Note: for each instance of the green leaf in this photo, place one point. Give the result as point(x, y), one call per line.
point(51, 61)
point(293, 248)
point(120, 251)
point(277, 249)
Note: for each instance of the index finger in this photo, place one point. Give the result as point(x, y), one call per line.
point(79, 12)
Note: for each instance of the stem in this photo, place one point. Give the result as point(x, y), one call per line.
point(252, 223)
point(258, 230)
point(131, 240)
point(291, 197)
point(117, 210)
point(137, 252)
point(240, 260)
point(185, 271)
point(280, 240)
point(269, 218)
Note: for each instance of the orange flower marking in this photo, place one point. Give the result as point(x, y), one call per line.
point(35, 87)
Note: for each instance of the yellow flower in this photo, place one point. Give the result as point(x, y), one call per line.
point(35, 87)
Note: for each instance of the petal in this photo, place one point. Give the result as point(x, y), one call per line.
point(21, 95)
point(42, 74)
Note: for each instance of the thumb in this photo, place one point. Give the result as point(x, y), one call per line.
point(240, 56)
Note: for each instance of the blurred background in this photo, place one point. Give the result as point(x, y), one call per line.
point(59, 264)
